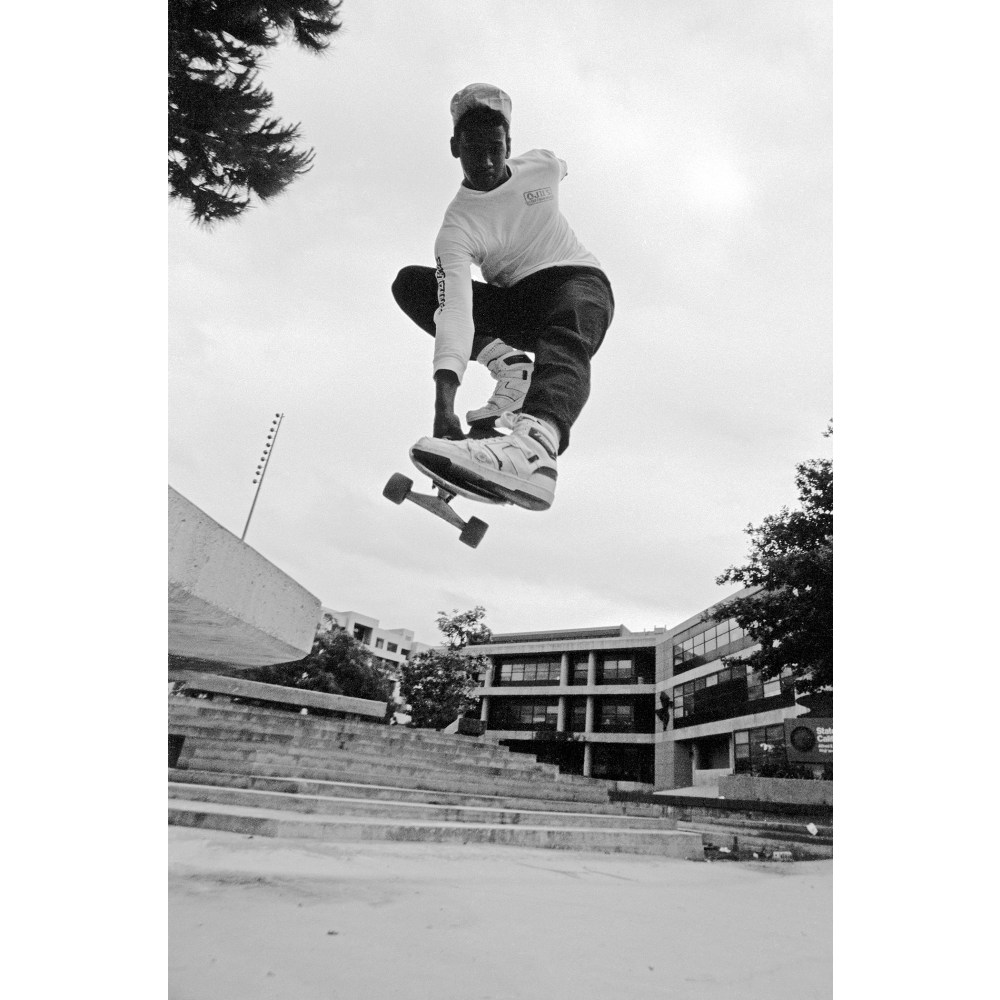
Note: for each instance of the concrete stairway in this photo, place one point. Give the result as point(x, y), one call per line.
point(273, 773)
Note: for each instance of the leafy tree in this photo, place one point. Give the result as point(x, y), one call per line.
point(337, 664)
point(791, 564)
point(464, 628)
point(221, 148)
point(438, 688)
point(439, 685)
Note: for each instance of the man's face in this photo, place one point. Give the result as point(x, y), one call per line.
point(483, 153)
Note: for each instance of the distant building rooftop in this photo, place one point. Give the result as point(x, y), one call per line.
point(559, 635)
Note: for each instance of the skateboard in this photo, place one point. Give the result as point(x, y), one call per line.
point(400, 488)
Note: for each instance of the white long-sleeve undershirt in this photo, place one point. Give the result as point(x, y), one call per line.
point(510, 232)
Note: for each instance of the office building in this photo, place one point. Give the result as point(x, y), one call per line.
point(652, 710)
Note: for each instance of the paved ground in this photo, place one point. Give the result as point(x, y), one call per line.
point(267, 919)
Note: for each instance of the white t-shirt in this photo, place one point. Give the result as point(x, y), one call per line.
point(509, 233)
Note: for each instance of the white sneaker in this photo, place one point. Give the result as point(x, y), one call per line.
point(512, 369)
point(520, 467)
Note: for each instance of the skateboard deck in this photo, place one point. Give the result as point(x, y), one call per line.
point(400, 488)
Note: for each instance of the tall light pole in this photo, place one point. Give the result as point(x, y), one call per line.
point(262, 466)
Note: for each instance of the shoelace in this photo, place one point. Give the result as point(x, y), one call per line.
point(507, 419)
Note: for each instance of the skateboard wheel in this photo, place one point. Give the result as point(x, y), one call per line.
point(398, 488)
point(472, 533)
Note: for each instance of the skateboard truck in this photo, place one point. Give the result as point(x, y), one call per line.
point(400, 488)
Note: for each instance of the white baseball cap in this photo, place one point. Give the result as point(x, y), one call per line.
point(480, 95)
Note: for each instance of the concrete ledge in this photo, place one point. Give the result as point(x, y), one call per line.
point(709, 778)
point(228, 604)
point(218, 741)
point(401, 777)
point(396, 793)
point(275, 694)
point(275, 823)
point(399, 809)
point(274, 720)
point(791, 790)
point(189, 715)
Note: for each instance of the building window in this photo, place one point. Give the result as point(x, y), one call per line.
point(623, 763)
point(363, 634)
point(758, 688)
point(404, 652)
point(617, 717)
point(379, 643)
point(617, 671)
point(538, 671)
point(577, 716)
point(524, 713)
point(693, 648)
point(726, 693)
point(741, 739)
point(753, 745)
point(580, 667)
point(392, 647)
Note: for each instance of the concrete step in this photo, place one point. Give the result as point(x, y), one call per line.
point(275, 823)
point(388, 738)
point(181, 707)
point(347, 789)
point(445, 781)
point(395, 809)
point(244, 734)
point(309, 756)
point(294, 725)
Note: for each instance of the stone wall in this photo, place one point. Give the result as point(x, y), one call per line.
point(745, 786)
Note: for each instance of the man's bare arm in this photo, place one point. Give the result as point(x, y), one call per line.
point(446, 422)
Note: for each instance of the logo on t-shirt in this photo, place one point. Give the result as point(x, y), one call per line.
point(439, 274)
point(539, 194)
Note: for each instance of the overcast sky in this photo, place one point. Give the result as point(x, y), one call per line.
point(698, 141)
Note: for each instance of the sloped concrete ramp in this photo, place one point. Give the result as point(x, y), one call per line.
point(227, 603)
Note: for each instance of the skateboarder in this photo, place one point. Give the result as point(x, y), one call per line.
point(545, 293)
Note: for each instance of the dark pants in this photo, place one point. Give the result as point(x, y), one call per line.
point(560, 314)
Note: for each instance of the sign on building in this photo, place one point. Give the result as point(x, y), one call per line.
point(809, 741)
